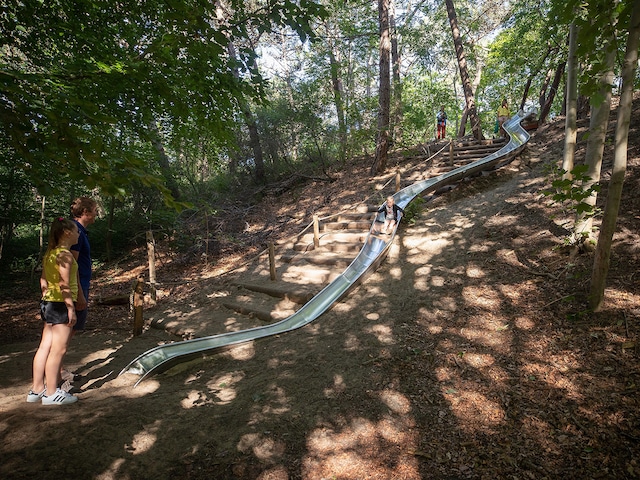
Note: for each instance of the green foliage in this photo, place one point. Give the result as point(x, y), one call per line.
point(413, 210)
point(569, 190)
point(424, 97)
point(78, 96)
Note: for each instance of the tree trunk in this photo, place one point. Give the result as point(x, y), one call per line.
point(338, 95)
point(532, 75)
point(109, 234)
point(582, 234)
point(525, 93)
point(547, 99)
point(163, 161)
point(464, 73)
point(252, 126)
point(462, 128)
point(612, 205)
point(396, 120)
point(384, 94)
point(245, 108)
point(572, 99)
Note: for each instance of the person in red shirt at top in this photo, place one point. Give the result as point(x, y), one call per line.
point(441, 120)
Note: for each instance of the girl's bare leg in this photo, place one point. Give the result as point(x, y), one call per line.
point(60, 338)
point(40, 358)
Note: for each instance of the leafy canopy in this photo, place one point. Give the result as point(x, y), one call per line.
point(82, 81)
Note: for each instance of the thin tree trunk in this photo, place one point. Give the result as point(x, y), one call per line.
point(525, 93)
point(336, 82)
point(532, 75)
point(462, 128)
point(109, 235)
point(384, 95)
point(245, 108)
point(252, 126)
point(612, 204)
point(397, 116)
point(163, 161)
point(40, 241)
point(572, 99)
point(547, 100)
point(464, 73)
point(595, 146)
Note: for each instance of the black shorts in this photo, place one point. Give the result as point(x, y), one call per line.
point(55, 313)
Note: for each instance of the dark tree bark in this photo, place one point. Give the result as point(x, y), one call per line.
point(396, 119)
point(338, 95)
point(464, 73)
point(252, 126)
point(571, 104)
point(546, 98)
point(534, 73)
point(384, 94)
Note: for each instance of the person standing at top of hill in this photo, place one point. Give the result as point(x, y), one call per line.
point(59, 285)
point(503, 116)
point(84, 211)
point(441, 120)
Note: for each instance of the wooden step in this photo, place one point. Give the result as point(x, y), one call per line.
point(338, 260)
point(347, 225)
point(278, 289)
point(307, 275)
point(334, 241)
point(252, 311)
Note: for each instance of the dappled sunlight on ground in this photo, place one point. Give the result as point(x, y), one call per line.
point(361, 449)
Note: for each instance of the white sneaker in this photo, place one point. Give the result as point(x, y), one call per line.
point(34, 397)
point(59, 398)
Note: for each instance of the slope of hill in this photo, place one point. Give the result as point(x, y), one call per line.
point(468, 354)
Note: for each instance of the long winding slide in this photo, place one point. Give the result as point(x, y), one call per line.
point(372, 253)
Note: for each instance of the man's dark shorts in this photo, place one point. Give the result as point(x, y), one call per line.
point(82, 319)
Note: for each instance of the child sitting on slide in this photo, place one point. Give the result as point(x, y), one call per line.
point(392, 214)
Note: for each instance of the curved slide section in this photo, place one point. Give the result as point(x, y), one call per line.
point(372, 253)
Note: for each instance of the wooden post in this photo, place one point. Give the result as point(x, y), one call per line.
point(316, 231)
point(451, 152)
point(138, 302)
point(151, 254)
point(397, 180)
point(272, 262)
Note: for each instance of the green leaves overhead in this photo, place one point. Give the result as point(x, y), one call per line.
point(81, 81)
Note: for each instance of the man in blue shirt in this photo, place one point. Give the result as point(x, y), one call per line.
point(84, 211)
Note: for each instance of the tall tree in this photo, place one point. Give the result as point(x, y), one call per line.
point(338, 98)
point(600, 108)
point(396, 62)
point(614, 192)
point(384, 90)
point(571, 132)
point(464, 73)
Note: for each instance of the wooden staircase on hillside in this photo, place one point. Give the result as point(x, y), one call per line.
point(303, 269)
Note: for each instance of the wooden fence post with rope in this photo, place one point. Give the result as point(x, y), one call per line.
point(137, 303)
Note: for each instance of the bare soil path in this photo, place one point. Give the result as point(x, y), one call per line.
point(468, 354)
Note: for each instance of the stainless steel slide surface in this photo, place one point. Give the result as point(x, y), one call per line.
point(372, 253)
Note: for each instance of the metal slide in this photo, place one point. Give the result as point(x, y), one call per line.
point(372, 253)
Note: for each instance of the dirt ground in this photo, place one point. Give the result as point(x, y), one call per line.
point(469, 353)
